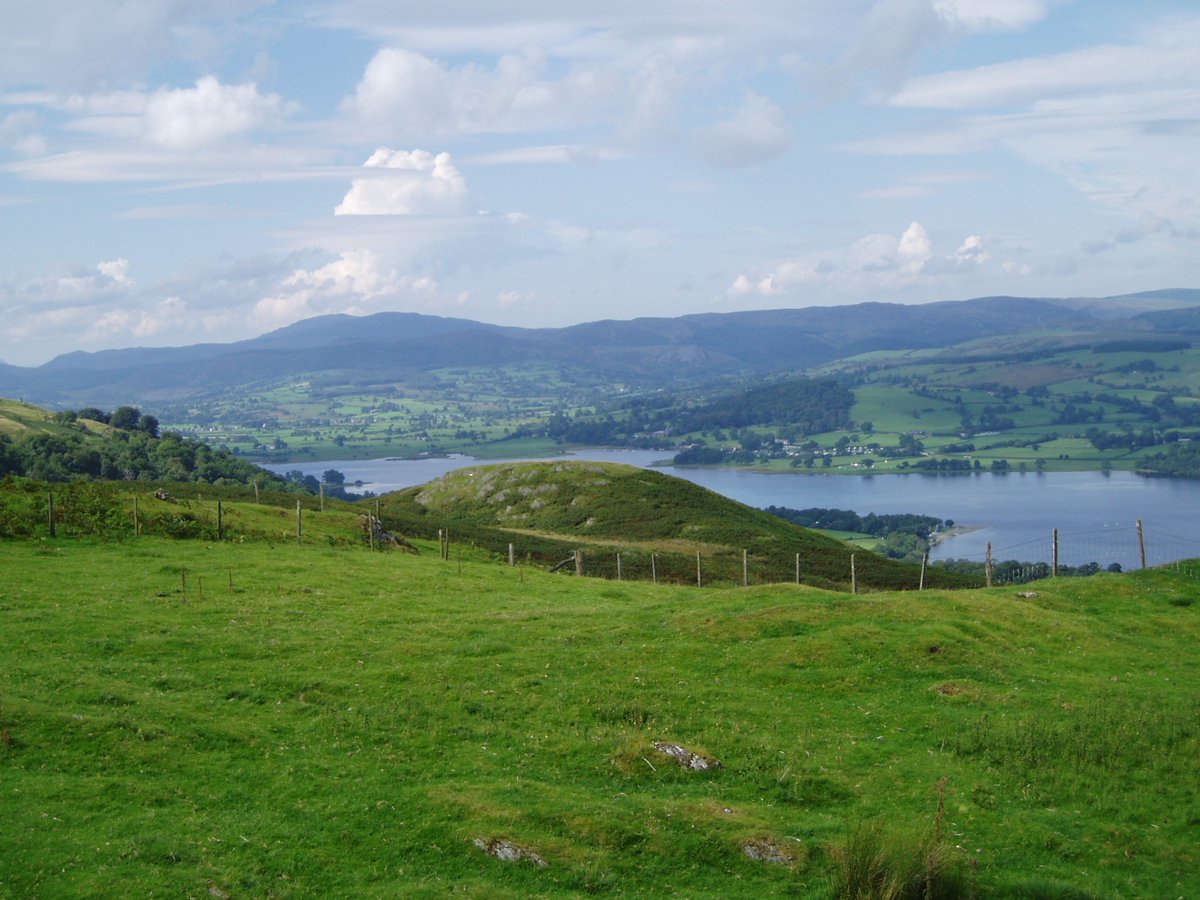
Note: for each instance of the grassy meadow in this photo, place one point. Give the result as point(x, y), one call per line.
point(257, 718)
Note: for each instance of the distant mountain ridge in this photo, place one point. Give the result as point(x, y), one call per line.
point(394, 345)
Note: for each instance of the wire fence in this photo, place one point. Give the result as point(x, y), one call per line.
point(1119, 549)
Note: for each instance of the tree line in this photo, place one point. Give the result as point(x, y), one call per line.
point(130, 450)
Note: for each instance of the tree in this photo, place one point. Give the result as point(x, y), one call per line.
point(90, 412)
point(125, 417)
point(333, 476)
point(148, 424)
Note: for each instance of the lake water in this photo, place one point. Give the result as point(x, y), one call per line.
point(1095, 513)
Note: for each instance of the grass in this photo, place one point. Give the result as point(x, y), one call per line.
point(320, 720)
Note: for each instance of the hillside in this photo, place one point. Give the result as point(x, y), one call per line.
point(550, 509)
point(392, 347)
point(240, 719)
point(122, 446)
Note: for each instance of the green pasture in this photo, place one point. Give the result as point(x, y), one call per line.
point(320, 721)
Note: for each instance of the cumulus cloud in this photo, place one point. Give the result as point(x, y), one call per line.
point(117, 270)
point(358, 282)
point(755, 132)
point(972, 251)
point(404, 92)
point(405, 183)
point(184, 118)
point(874, 261)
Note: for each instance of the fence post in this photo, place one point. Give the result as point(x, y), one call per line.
point(797, 568)
point(220, 522)
point(987, 566)
point(853, 576)
point(924, 563)
point(1054, 555)
point(137, 528)
point(322, 493)
point(512, 557)
point(654, 568)
point(299, 522)
point(619, 567)
point(698, 582)
point(1141, 543)
point(578, 562)
point(745, 569)
point(256, 493)
point(50, 516)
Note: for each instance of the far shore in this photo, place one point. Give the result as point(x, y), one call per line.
point(957, 530)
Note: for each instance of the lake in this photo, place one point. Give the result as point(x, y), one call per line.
point(1095, 513)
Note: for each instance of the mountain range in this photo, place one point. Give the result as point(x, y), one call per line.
point(392, 346)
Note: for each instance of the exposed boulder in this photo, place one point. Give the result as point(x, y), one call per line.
point(687, 759)
point(507, 851)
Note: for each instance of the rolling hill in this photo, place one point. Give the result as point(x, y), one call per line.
point(547, 510)
point(391, 346)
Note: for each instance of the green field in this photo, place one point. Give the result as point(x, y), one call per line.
point(257, 718)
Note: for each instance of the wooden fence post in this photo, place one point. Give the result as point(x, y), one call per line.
point(654, 568)
point(50, 516)
point(987, 565)
point(853, 576)
point(1141, 543)
point(512, 557)
point(745, 568)
point(924, 563)
point(698, 581)
point(619, 567)
point(256, 493)
point(797, 568)
point(299, 522)
point(220, 522)
point(321, 491)
point(137, 528)
point(579, 562)
point(1054, 555)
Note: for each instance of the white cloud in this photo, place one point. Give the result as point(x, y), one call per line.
point(1163, 62)
point(990, 15)
point(406, 93)
point(972, 251)
point(84, 43)
point(1118, 123)
point(358, 282)
point(755, 132)
point(185, 118)
point(117, 270)
point(409, 182)
point(871, 262)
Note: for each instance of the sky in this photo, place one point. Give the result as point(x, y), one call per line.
point(183, 171)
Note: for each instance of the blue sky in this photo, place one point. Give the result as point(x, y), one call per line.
point(178, 171)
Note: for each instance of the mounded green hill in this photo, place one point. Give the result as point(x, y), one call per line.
point(546, 508)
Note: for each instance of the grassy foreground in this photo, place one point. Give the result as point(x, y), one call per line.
point(323, 721)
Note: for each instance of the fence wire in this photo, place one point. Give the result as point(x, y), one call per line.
point(1101, 549)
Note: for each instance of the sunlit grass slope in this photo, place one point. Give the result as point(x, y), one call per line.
point(608, 507)
point(322, 721)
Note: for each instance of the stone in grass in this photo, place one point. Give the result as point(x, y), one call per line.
point(499, 848)
point(764, 849)
point(687, 759)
